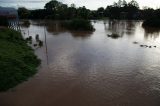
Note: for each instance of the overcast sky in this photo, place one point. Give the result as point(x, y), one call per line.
point(91, 4)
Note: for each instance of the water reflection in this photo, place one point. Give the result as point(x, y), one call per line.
point(120, 27)
point(25, 23)
point(81, 34)
point(56, 28)
point(151, 33)
point(92, 71)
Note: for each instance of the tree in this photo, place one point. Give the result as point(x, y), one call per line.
point(124, 3)
point(73, 5)
point(133, 3)
point(119, 3)
point(115, 4)
point(53, 5)
point(100, 11)
point(83, 12)
point(23, 13)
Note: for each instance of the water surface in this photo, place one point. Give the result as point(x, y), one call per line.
point(92, 69)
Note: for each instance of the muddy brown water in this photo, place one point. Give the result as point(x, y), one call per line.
point(92, 69)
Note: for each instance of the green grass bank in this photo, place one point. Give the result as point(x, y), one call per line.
point(17, 60)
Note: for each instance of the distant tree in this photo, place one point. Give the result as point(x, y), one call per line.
point(82, 12)
point(53, 5)
point(147, 13)
point(3, 21)
point(124, 3)
point(101, 11)
point(23, 13)
point(115, 4)
point(119, 3)
point(133, 3)
point(73, 5)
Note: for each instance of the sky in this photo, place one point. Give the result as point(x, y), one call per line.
point(90, 4)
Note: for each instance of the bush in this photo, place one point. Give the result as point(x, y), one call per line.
point(17, 59)
point(26, 23)
point(151, 23)
point(3, 21)
point(80, 25)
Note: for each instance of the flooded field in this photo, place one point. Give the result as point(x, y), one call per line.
point(92, 69)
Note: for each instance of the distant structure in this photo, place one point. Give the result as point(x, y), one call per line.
point(12, 16)
point(10, 13)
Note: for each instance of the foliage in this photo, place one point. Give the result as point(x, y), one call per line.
point(123, 10)
point(23, 13)
point(26, 23)
point(17, 59)
point(79, 24)
point(119, 10)
point(151, 23)
point(3, 21)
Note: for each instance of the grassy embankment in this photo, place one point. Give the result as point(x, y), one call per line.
point(17, 59)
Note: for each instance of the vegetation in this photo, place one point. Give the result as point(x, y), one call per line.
point(59, 11)
point(79, 24)
point(26, 23)
point(17, 59)
point(151, 23)
point(3, 21)
point(119, 10)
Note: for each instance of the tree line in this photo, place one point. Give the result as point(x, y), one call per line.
point(118, 10)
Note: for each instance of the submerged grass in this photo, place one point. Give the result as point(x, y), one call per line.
point(17, 59)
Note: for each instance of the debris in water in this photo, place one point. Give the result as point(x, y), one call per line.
point(135, 42)
point(37, 38)
point(35, 45)
point(40, 43)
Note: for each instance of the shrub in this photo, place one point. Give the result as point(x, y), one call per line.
point(3, 21)
point(80, 25)
point(151, 23)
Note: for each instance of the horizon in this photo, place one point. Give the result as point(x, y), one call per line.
point(90, 4)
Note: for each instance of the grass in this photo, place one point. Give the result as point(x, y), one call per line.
point(17, 59)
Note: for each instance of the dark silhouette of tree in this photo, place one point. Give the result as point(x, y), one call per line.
point(101, 12)
point(118, 10)
point(23, 13)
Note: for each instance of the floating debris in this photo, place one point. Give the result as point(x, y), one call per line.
point(37, 38)
point(146, 46)
point(114, 36)
point(135, 42)
point(29, 38)
point(40, 43)
point(35, 45)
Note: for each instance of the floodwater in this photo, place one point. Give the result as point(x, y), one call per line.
point(92, 69)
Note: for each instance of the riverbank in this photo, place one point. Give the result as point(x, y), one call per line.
point(17, 59)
